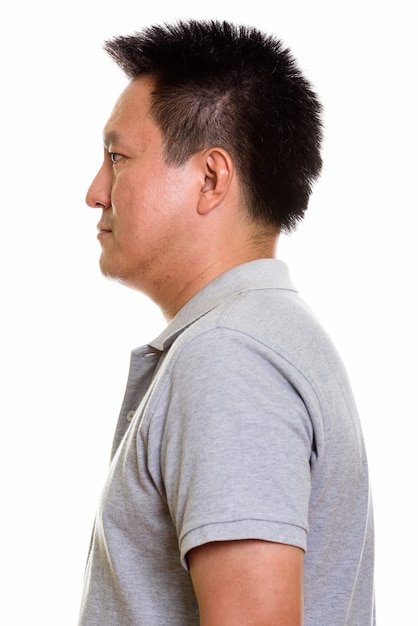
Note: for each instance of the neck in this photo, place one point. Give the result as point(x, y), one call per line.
point(174, 299)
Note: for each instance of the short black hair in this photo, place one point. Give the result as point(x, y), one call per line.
point(231, 86)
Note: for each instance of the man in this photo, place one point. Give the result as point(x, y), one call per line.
point(238, 489)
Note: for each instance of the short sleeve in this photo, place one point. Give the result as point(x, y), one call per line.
point(236, 445)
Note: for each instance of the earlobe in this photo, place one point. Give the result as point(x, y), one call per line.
point(219, 169)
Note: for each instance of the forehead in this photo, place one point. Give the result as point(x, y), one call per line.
point(131, 112)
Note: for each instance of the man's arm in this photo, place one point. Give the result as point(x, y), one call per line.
point(248, 583)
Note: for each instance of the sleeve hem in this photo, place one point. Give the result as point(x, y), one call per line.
point(264, 530)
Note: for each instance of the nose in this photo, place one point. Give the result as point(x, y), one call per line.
point(98, 194)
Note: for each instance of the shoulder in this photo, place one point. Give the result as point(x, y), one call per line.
point(257, 328)
point(234, 371)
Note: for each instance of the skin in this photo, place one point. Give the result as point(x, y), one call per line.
point(168, 231)
point(248, 583)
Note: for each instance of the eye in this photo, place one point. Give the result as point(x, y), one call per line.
point(115, 157)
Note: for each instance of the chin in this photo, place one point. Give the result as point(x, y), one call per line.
point(116, 275)
point(107, 269)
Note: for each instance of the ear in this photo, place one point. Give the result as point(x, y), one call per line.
point(218, 173)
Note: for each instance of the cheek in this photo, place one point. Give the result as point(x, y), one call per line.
point(151, 203)
point(174, 194)
point(127, 200)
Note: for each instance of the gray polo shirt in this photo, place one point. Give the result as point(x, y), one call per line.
point(238, 422)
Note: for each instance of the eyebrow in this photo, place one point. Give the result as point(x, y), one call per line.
point(111, 136)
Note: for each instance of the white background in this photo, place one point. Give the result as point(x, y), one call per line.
point(66, 332)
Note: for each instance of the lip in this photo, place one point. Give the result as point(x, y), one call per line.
point(102, 234)
point(103, 229)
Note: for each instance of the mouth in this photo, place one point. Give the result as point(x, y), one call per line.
point(103, 229)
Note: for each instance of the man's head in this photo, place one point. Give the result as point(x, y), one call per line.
point(219, 85)
point(209, 152)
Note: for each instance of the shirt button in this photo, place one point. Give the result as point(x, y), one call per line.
point(130, 416)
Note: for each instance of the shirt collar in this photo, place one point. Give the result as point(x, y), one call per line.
point(259, 274)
